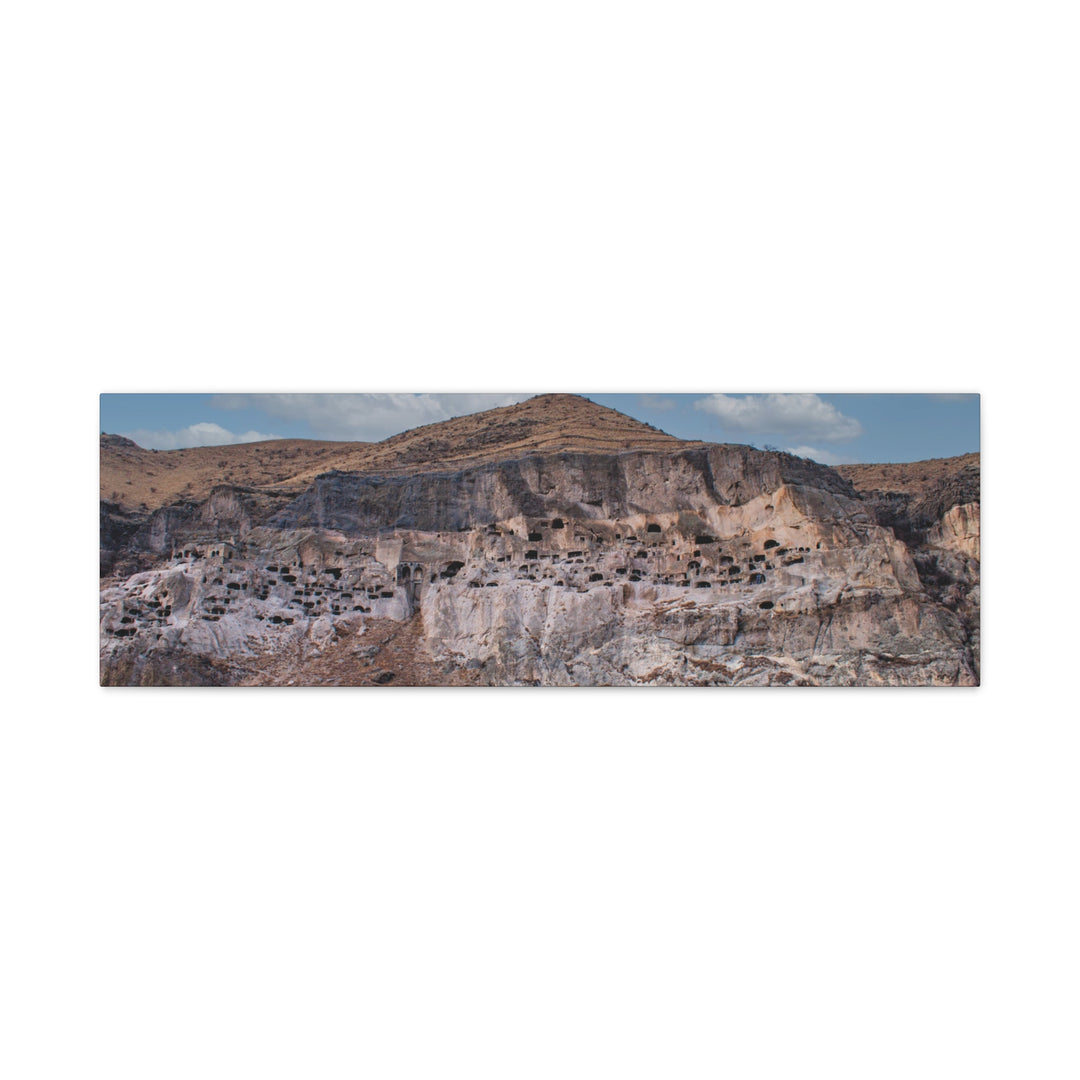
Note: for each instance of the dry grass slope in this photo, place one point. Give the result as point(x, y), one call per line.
point(910, 478)
point(137, 478)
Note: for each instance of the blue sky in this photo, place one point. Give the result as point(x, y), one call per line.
point(831, 428)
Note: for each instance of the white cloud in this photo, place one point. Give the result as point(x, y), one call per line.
point(204, 434)
point(825, 457)
point(796, 416)
point(365, 417)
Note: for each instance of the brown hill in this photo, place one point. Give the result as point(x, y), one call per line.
point(908, 478)
point(136, 478)
point(548, 423)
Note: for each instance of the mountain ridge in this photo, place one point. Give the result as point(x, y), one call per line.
point(135, 477)
point(139, 479)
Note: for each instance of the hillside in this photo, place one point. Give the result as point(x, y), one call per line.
point(136, 478)
point(909, 478)
point(553, 542)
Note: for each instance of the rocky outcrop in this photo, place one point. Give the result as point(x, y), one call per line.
point(117, 529)
point(601, 487)
point(934, 507)
point(116, 442)
point(957, 530)
point(912, 509)
point(709, 565)
point(228, 515)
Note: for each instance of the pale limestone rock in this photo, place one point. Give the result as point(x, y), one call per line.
point(958, 531)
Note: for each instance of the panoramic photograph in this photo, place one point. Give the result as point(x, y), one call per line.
point(467, 540)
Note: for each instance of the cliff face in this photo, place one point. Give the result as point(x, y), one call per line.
point(712, 565)
point(579, 486)
point(934, 507)
point(116, 529)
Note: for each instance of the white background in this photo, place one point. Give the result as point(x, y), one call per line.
point(561, 197)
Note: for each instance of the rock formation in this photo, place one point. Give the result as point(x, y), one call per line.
point(550, 543)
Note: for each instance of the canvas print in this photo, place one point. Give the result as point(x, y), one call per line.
point(466, 540)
